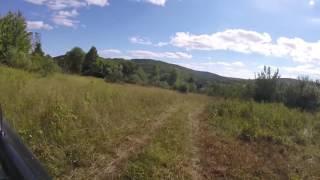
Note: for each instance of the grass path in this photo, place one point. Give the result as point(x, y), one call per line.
point(134, 145)
point(173, 153)
point(194, 123)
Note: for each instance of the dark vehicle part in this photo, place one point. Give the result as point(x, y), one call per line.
point(16, 160)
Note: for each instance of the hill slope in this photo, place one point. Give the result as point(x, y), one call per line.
point(202, 77)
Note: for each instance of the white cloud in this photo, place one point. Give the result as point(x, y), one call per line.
point(64, 18)
point(72, 13)
point(157, 2)
point(143, 54)
point(109, 52)
point(224, 68)
point(306, 69)
point(37, 25)
point(113, 53)
point(64, 4)
point(161, 44)
point(159, 55)
point(98, 2)
point(38, 2)
point(64, 21)
point(140, 40)
point(314, 20)
point(248, 42)
point(146, 41)
point(312, 2)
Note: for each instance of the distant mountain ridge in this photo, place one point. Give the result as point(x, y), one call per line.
point(201, 76)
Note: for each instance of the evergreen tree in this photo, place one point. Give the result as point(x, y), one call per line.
point(36, 43)
point(155, 74)
point(73, 60)
point(173, 77)
point(266, 85)
point(90, 58)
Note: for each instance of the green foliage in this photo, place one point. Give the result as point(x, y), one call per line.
point(271, 122)
point(305, 94)
point(15, 46)
point(114, 73)
point(43, 65)
point(18, 59)
point(38, 50)
point(13, 35)
point(182, 87)
point(36, 44)
point(68, 121)
point(266, 85)
point(234, 90)
point(90, 58)
point(73, 60)
point(173, 78)
point(155, 74)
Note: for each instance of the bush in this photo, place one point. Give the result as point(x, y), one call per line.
point(305, 95)
point(266, 85)
point(43, 65)
point(183, 88)
point(18, 59)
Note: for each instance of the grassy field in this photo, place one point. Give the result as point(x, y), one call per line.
point(85, 128)
point(246, 140)
point(77, 125)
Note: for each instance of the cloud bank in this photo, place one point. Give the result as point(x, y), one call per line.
point(249, 42)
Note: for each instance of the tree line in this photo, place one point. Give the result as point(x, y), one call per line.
point(76, 61)
point(20, 48)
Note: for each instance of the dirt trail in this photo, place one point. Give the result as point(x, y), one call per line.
point(132, 146)
point(194, 123)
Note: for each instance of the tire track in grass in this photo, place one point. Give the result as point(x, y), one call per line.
point(132, 146)
point(194, 125)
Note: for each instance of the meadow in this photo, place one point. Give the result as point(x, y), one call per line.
point(248, 140)
point(85, 128)
point(75, 125)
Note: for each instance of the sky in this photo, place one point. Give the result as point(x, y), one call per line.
point(233, 38)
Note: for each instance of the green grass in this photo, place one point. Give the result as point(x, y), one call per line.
point(169, 154)
point(275, 122)
point(70, 122)
point(75, 126)
point(262, 140)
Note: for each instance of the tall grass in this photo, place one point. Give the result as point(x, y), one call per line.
point(170, 153)
point(70, 121)
point(260, 141)
point(271, 121)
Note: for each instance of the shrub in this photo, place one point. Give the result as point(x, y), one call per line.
point(18, 59)
point(183, 88)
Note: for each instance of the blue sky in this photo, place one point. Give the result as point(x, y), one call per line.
point(227, 37)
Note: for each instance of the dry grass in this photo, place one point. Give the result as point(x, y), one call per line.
point(72, 122)
point(247, 140)
point(169, 155)
point(84, 128)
